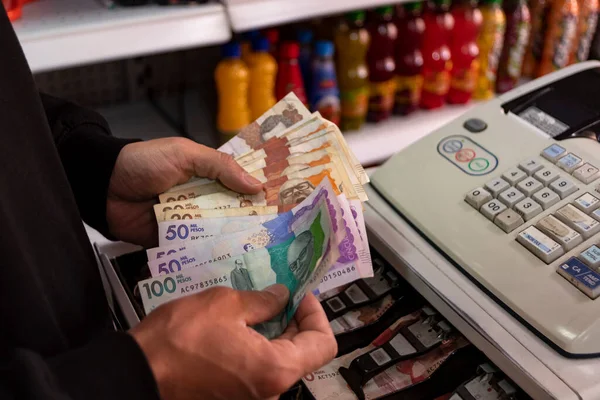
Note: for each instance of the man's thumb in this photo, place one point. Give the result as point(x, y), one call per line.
point(261, 306)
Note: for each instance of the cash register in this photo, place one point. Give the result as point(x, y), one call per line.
point(502, 207)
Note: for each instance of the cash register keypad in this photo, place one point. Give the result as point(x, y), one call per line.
point(533, 187)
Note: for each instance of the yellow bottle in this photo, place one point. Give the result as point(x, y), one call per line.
point(263, 72)
point(490, 42)
point(232, 79)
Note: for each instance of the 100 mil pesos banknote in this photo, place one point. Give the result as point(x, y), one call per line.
point(298, 263)
point(199, 213)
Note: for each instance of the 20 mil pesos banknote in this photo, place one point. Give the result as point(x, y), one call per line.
point(298, 263)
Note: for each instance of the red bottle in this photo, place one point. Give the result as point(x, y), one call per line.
point(464, 50)
point(409, 59)
point(381, 63)
point(436, 54)
point(289, 76)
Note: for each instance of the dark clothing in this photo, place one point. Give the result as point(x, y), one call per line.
point(56, 159)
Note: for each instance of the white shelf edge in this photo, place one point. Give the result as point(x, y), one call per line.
point(255, 14)
point(57, 34)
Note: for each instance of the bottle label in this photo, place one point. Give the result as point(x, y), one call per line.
point(408, 89)
point(464, 79)
point(495, 51)
point(585, 41)
point(564, 40)
point(355, 102)
point(381, 95)
point(329, 108)
point(540, 26)
point(518, 43)
point(436, 82)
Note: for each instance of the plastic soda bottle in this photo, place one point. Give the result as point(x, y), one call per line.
point(588, 21)
point(490, 42)
point(518, 29)
point(436, 54)
point(263, 72)
point(289, 77)
point(381, 64)
point(464, 49)
point(560, 36)
point(539, 10)
point(352, 42)
point(325, 96)
point(409, 59)
point(247, 40)
point(305, 38)
point(232, 79)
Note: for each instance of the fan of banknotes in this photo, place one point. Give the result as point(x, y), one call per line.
point(304, 230)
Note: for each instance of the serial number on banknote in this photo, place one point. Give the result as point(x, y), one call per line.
point(338, 273)
point(219, 258)
point(205, 284)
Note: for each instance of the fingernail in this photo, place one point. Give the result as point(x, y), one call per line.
point(279, 290)
point(252, 181)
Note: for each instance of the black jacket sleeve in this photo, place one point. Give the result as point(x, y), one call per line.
point(88, 153)
point(111, 367)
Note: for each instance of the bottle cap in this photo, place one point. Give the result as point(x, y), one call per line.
point(442, 3)
point(261, 44)
point(231, 50)
point(272, 34)
point(324, 48)
point(385, 11)
point(290, 50)
point(418, 6)
point(305, 36)
point(356, 16)
point(250, 35)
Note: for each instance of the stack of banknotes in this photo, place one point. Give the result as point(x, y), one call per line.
point(305, 229)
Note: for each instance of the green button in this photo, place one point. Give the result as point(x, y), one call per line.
point(479, 164)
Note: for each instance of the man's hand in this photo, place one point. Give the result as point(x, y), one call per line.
point(144, 170)
point(203, 346)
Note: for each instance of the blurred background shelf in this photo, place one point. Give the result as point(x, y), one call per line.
point(254, 14)
point(64, 33)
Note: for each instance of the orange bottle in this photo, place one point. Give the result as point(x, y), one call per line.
point(490, 42)
point(540, 12)
point(263, 72)
point(232, 79)
point(586, 27)
point(560, 37)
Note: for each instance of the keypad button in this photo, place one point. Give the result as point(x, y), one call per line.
point(546, 197)
point(587, 173)
point(569, 163)
point(528, 208)
point(576, 219)
point(529, 186)
point(562, 234)
point(531, 166)
point(540, 245)
point(546, 175)
point(511, 196)
point(596, 214)
point(591, 257)
point(475, 125)
point(553, 153)
point(563, 187)
point(508, 220)
point(496, 186)
point(478, 197)
point(582, 277)
point(514, 176)
point(587, 203)
point(492, 208)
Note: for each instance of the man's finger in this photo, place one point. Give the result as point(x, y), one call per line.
point(214, 164)
point(261, 306)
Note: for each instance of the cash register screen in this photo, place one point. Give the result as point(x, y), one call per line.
point(562, 108)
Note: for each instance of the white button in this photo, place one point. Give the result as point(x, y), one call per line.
point(553, 153)
point(587, 203)
point(511, 196)
point(492, 208)
point(546, 176)
point(478, 197)
point(531, 166)
point(587, 173)
point(508, 220)
point(579, 221)
point(546, 197)
point(529, 186)
point(496, 186)
point(514, 176)
point(539, 244)
point(569, 163)
point(528, 208)
point(596, 215)
point(591, 257)
point(565, 236)
point(563, 187)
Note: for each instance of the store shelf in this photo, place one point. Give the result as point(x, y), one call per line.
point(252, 14)
point(63, 33)
point(375, 143)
